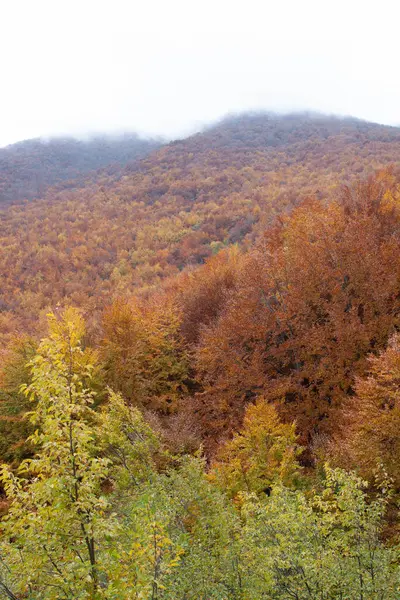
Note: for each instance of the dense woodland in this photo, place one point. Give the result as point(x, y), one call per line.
point(200, 366)
point(176, 208)
point(28, 169)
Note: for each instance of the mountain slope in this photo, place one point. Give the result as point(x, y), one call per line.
point(28, 168)
point(129, 230)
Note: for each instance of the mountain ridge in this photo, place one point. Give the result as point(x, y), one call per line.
point(28, 168)
point(122, 230)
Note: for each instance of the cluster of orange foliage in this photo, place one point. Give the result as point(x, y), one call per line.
point(370, 440)
point(290, 315)
point(318, 293)
point(127, 231)
point(294, 319)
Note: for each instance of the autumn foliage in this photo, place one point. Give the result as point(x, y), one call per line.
point(28, 169)
point(121, 230)
point(220, 269)
point(372, 434)
point(143, 353)
point(317, 294)
point(263, 453)
point(217, 413)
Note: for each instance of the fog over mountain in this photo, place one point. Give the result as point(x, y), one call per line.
point(199, 300)
point(28, 168)
point(169, 68)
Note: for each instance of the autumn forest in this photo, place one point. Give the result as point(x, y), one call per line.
point(200, 364)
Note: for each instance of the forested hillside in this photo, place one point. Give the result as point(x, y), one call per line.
point(177, 207)
point(199, 372)
point(28, 169)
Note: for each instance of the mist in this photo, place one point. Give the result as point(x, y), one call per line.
point(169, 69)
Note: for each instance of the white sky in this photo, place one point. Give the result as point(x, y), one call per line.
point(169, 66)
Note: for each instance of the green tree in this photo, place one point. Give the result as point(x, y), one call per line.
point(57, 514)
point(178, 531)
point(76, 527)
point(205, 525)
point(103, 512)
point(327, 546)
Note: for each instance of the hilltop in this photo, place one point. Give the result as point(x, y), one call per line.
point(128, 229)
point(29, 168)
point(238, 280)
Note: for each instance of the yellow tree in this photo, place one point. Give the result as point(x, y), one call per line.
point(57, 513)
point(264, 452)
point(143, 352)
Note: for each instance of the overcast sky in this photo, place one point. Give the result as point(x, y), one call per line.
point(169, 66)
